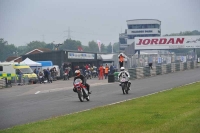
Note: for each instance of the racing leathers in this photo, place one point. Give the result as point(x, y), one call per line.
point(124, 74)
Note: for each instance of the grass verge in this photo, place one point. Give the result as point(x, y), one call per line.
point(176, 110)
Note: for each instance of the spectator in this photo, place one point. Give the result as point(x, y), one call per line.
point(86, 67)
point(46, 75)
point(35, 71)
point(150, 61)
point(41, 77)
point(100, 72)
point(106, 71)
point(121, 60)
point(111, 69)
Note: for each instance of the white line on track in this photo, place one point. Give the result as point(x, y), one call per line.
point(37, 92)
point(66, 88)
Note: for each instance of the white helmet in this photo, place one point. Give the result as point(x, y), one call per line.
point(122, 68)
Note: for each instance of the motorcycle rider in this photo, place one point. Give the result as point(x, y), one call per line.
point(80, 76)
point(126, 74)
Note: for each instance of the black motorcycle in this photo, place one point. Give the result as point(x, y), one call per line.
point(124, 85)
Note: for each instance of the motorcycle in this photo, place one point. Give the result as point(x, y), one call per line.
point(88, 74)
point(94, 74)
point(81, 90)
point(124, 85)
point(66, 76)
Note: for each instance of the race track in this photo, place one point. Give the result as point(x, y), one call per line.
point(24, 104)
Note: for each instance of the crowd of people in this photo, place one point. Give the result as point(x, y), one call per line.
point(46, 75)
point(101, 72)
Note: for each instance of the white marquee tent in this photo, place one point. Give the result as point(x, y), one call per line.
point(31, 63)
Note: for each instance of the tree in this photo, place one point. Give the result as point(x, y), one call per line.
point(103, 48)
point(49, 46)
point(70, 44)
point(116, 47)
point(109, 48)
point(85, 48)
point(6, 49)
point(93, 47)
point(34, 45)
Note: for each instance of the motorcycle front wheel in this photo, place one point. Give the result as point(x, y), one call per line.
point(88, 98)
point(80, 95)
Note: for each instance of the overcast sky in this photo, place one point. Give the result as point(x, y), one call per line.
point(22, 21)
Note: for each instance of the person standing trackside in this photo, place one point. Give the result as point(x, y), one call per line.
point(106, 71)
point(101, 72)
point(121, 60)
point(150, 61)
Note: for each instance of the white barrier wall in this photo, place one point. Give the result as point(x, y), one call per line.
point(139, 72)
point(164, 69)
point(173, 67)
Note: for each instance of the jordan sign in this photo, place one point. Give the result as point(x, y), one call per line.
point(169, 42)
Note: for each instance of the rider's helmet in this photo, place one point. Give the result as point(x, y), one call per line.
point(77, 73)
point(122, 69)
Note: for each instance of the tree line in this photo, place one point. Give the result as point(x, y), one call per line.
point(7, 50)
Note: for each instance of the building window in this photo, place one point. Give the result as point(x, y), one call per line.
point(144, 26)
point(122, 41)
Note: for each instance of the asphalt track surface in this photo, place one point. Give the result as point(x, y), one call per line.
point(25, 104)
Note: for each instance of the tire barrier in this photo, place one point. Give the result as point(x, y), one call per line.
point(139, 72)
point(153, 71)
point(191, 65)
point(185, 66)
point(146, 71)
point(188, 65)
point(173, 67)
point(142, 72)
point(164, 69)
point(132, 73)
point(181, 67)
point(158, 70)
point(168, 67)
point(177, 65)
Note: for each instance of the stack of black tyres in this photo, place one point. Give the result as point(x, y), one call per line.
point(177, 66)
point(132, 73)
point(111, 78)
point(146, 71)
point(158, 70)
point(184, 65)
point(192, 65)
point(169, 68)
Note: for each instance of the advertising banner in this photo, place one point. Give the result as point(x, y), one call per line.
point(72, 55)
point(167, 42)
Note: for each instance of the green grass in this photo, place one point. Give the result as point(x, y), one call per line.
point(172, 111)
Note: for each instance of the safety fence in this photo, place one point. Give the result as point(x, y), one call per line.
point(159, 59)
point(142, 72)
